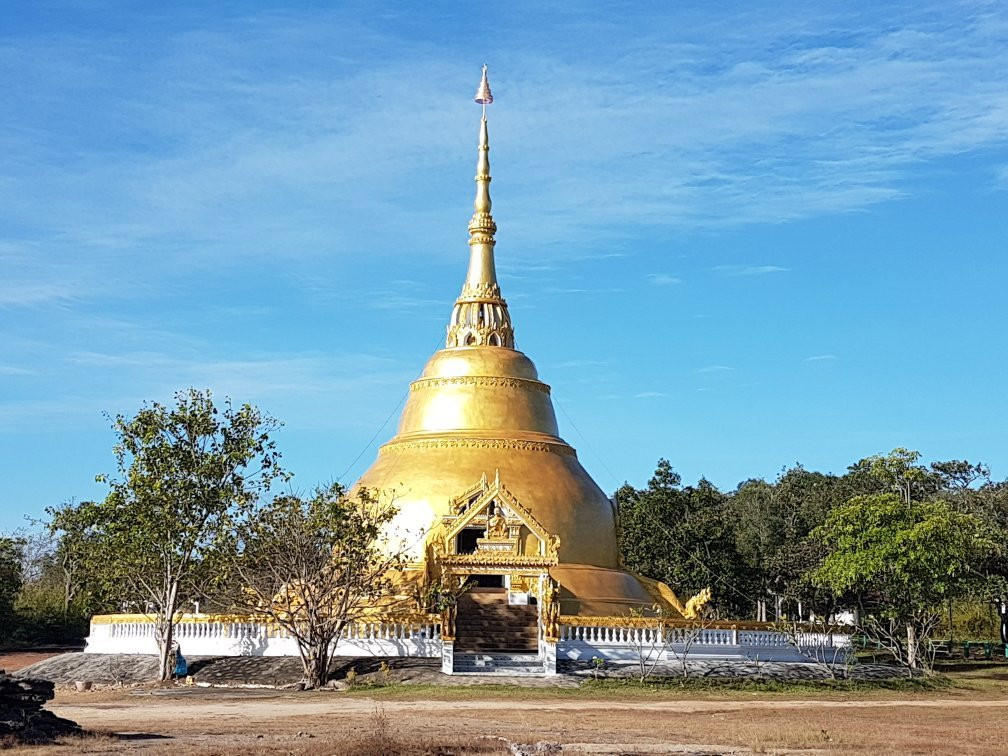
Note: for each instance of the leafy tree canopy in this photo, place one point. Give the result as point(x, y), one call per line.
point(185, 472)
point(682, 537)
point(314, 564)
point(912, 557)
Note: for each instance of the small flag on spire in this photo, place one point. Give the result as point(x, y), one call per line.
point(483, 95)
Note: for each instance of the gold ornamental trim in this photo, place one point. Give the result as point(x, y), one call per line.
point(497, 559)
point(481, 443)
point(484, 291)
point(574, 620)
point(480, 380)
point(400, 618)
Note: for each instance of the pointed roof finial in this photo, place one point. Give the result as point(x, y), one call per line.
point(480, 316)
point(482, 226)
point(483, 95)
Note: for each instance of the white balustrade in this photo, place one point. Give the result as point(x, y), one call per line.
point(210, 637)
point(583, 640)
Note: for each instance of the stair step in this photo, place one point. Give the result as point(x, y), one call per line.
point(500, 665)
point(504, 663)
point(507, 644)
point(498, 657)
point(484, 620)
point(538, 671)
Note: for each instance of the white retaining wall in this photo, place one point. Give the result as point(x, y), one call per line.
point(210, 638)
point(627, 644)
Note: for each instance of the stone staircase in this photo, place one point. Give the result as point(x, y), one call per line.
point(493, 637)
point(486, 623)
point(498, 664)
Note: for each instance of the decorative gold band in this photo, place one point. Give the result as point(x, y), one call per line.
point(480, 443)
point(482, 381)
point(460, 563)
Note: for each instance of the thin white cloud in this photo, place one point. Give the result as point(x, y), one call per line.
point(748, 270)
point(401, 303)
point(578, 364)
point(576, 290)
point(1001, 176)
point(714, 369)
point(30, 294)
point(291, 386)
point(649, 394)
point(820, 358)
point(663, 279)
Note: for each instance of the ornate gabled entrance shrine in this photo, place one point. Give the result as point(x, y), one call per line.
point(489, 532)
point(540, 527)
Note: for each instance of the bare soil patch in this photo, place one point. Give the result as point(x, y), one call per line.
point(11, 661)
point(213, 720)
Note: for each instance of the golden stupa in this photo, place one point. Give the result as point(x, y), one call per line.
point(478, 468)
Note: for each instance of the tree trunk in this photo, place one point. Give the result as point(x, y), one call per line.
point(164, 632)
point(1002, 610)
point(911, 645)
point(165, 635)
point(66, 592)
point(316, 665)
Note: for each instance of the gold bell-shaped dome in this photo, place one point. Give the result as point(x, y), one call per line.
point(478, 466)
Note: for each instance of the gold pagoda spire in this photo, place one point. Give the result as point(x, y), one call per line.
point(480, 316)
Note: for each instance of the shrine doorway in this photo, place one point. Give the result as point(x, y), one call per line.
point(486, 581)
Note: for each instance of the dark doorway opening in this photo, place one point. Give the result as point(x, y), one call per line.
point(465, 541)
point(488, 581)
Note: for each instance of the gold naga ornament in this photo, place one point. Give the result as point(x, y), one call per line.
point(477, 410)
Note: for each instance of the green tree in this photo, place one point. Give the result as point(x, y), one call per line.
point(899, 472)
point(905, 558)
point(995, 569)
point(11, 581)
point(162, 535)
point(969, 488)
point(771, 523)
point(683, 537)
point(73, 527)
point(314, 565)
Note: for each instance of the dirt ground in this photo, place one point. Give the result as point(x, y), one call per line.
point(12, 661)
point(217, 720)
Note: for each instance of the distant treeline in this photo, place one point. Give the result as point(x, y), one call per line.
point(890, 537)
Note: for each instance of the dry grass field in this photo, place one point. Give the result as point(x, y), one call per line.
point(967, 714)
point(966, 718)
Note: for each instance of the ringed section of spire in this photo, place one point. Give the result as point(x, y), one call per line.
point(480, 317)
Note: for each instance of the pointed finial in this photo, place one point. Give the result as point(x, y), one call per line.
point(482, 227)
point(480, 316)
point(483, 94)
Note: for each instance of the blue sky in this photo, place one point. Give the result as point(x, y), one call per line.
point(733, 238)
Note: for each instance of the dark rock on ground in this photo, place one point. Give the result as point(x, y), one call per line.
point(22, 715)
